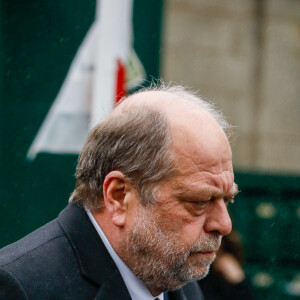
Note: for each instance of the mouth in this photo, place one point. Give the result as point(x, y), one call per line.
point(208, 254)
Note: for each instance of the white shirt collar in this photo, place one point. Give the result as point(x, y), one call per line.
point(136, 288)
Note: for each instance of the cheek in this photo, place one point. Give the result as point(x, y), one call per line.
point(185, 227)
point(172, 217)
point(193, 231)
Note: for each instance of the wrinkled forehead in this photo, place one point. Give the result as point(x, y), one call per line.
point(196, 131)
point(201, 150)
point(192, 128)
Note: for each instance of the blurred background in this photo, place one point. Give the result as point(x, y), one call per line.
point(242, 55)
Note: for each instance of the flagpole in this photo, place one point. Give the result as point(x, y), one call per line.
point(114, 43)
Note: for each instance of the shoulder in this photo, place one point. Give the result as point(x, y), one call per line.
point(45, 263)
point(21, 261)
point(32, 243)
point(10, 287)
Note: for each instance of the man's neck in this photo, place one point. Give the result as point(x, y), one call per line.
point(136, 288)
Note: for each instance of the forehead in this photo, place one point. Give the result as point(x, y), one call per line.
point(193, 175)
point(199, 142)
point(201, 151)
point(205, 184)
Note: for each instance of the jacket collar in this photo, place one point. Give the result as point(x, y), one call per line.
point(191, 291)
point(97, 265)
point(94, 260)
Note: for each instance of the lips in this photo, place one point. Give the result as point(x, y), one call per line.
point(208, 253)
point(203, 251)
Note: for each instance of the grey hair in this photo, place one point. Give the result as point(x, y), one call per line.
point(135, 143)
point(135, 140)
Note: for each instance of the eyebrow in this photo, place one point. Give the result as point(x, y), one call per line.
point(214, 193)
point(209, 192)
point(234, 190)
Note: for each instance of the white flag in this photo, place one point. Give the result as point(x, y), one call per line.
point(104, 62)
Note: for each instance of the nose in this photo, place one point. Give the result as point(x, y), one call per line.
point(217, 218)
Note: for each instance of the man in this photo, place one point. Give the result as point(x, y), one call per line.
point(148, 211)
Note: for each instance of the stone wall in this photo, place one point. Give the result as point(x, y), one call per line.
point(245, 56)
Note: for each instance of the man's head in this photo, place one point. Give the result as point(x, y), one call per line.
point(157, 175)
point(136, 140)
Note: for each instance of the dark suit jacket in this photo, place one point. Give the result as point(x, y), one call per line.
point(66, 259)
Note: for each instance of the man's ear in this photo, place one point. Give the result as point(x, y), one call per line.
point(116, 189)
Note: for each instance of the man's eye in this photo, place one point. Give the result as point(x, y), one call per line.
point(201, 203)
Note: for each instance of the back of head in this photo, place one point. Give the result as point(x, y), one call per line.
point(136, 140)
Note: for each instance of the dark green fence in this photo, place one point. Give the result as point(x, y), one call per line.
point(267, 214)
point(38, 40)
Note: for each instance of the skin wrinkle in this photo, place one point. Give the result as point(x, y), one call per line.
point(166, 243)
point(167, 267)
point(215, 166)
point(229, 191)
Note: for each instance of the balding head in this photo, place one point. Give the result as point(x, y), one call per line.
point(137, 140)
point(168, 99)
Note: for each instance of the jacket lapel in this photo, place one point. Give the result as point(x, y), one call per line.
point(93, 258)
point(190, 291)
point(97, 265)
point(112, 289)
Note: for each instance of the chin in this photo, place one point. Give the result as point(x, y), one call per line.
point(204, 273)
point(199, 273)
point(194, 274)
